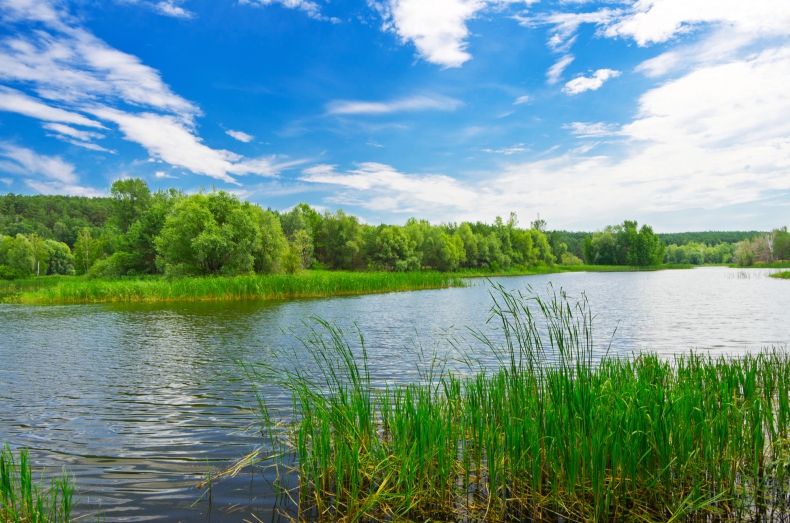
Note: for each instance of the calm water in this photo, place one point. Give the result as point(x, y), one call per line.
point(138, 400)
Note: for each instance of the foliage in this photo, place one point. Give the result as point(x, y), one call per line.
point(338, 241)
point(571, 259)
point(18, 255)
point(624, 245)
point(781, 244)
point(131, 198)
point(60, 260)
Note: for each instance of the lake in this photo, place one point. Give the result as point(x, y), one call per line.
point(138, 400)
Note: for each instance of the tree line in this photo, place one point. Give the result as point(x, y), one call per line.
point(136, 231)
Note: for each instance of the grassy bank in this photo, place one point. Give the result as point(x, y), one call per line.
point(772, 265)
point(558, 432)
point(307, 284)
point(273, 286)
point(783, 275)
point(23, 499)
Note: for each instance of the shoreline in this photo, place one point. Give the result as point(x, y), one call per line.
point(307, 284)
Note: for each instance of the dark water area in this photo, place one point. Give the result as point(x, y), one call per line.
point(137, 401)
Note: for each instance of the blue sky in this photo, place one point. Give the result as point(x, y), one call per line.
point(671, 112)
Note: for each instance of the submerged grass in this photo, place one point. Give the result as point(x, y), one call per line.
point(307, 284)
point(23, 499)
point(557, 432)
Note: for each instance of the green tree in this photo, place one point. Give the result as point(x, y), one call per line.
point(17, 257)
point(781, 244)
point(131, 198)
point(209, 233)
point(744, 253)
point(338, 242)
point(60, 259)
point(272, 241)
point(395, 249)
point(645, 247)
point(87, 251)
point(40, 254)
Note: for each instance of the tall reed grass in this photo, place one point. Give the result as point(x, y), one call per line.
point(558, 432)
point(272, 286)
point(23, 499)
point(783, 275)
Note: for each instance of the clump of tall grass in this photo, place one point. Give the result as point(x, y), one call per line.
point(557, 432)
point(23, 499)
point(784, 275)
point(307, 284)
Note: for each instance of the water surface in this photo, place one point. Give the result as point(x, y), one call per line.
point(138, 400)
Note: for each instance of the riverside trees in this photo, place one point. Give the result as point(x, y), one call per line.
point(624, 245)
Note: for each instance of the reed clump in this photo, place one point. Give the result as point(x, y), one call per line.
point(23, 499)
point(783, 275)
point(557, 432)
point(308, 284)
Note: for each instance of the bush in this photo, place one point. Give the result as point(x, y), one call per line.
point(9, 273)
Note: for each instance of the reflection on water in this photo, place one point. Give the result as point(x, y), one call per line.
point(139, 400)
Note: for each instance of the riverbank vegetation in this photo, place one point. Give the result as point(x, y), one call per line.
point(24, 499)
point(557, 431)
point(782, 275)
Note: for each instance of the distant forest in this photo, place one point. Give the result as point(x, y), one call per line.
point(136, 231)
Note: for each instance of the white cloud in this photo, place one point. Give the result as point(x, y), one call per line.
point(387, 189)
point(28, 162)
point(522, 100)
point(507, 151)
point(655, 21)
point(590, 130)
point(69, 67)
point(311, 8)
point(555, 71)
point(240, 136)
point(60, 188)
point(412, 103)
point(583, 83)
point(85, 136)
point(15, 101)
point(436, 28)
point(7, 181)
point(163, 174)
point(170, 8)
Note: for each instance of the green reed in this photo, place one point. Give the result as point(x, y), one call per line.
point(784, 275)
point(307, 284)
point(23, 499)
point(556, 431)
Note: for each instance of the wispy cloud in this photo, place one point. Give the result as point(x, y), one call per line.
point(240, 136)
point(78, 77)
point(28, 162)
point(555, 71)
point(412, 103)
point(592, 83)
point(172, 8)
point(163, 174)
point(310, 8)
point(591, 130)
point(522, 100)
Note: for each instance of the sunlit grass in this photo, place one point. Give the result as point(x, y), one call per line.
point(784, 275)
point(24, 499)
point(273, 286)
point(557, 432)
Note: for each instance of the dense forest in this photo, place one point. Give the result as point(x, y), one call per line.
point(136, 231)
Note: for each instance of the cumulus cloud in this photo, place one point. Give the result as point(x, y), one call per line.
point(21, 160)
point(555, 71)
point(592, 83)
point(163, 174)
point(437, 28)
point(412, 103)
point(240, 136)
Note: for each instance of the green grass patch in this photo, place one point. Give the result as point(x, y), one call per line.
point(783, 275)
point(308, 284)
point(773, 265)
point(24, 499)
point(556, 432)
